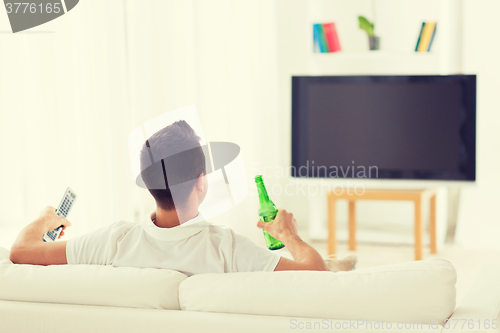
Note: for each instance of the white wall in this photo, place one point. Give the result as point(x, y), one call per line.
point(479, 217)
point(237, 89)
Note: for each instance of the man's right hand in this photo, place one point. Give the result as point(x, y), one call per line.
point(29, 247)
point(49, 220)
point(282, 227)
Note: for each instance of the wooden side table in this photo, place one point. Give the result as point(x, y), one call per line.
point(417, 196)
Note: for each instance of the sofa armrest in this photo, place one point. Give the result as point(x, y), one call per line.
point(479, 311)
point(4, 256)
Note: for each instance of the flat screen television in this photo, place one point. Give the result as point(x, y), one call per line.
point(384, 127)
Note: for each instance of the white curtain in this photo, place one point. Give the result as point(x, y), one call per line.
point(64, 115)
point(72, 90)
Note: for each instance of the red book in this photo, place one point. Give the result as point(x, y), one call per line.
point(332, 38)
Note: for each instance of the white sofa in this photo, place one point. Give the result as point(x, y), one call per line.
point(411, 297)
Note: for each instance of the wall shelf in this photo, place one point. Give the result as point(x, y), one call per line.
point(373, 62)
point(377, 54)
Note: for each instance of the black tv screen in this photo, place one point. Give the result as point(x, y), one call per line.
point(385, 127)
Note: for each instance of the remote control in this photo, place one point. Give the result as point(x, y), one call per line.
point(62, 211)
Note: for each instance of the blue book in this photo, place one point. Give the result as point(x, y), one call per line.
point(317, 38)
point(420, 36)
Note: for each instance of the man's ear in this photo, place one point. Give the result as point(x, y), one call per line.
point(200, 186)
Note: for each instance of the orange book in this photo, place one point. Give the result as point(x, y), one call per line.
point(426, 36)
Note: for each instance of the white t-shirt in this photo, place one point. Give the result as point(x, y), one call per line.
point(194, 247)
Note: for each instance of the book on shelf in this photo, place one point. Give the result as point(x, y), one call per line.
point(426, 37)
point(326, 38)
point(332, 38)
point(317, 47)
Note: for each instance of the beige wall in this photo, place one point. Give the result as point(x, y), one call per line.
point(479, 217)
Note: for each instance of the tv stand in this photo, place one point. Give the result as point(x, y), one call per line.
point(417, 196)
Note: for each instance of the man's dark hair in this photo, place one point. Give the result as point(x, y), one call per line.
point(172, 159)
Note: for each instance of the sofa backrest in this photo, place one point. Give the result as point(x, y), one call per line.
point(90, 285)
point(417, 292)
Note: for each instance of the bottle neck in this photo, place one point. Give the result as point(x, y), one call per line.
point(263, 196)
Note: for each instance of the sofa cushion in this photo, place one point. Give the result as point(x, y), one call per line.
point(90, 285)
point(420, 291)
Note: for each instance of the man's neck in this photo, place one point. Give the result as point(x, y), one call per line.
point(172, 218)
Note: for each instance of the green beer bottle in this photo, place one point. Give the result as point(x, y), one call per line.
point(267, 213)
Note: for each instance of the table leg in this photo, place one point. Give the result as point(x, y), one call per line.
point(432, 224)
point(332, 225)
point(352, 225)
point(418, 229)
